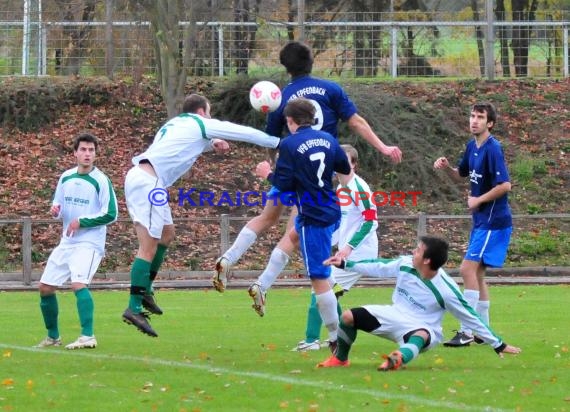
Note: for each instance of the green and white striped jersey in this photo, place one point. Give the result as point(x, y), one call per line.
point(90, 198)
point(426, 301)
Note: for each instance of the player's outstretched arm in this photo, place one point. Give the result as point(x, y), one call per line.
point(361, 127)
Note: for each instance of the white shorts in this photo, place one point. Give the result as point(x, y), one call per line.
point(347, 279)
point(394, 325)
point(77, 264)
point(144, 194)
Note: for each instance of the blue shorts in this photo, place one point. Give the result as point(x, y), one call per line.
point(315, 243)
point(489, 246)
point(285, 198)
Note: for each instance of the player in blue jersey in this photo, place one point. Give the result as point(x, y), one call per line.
point(332, 105)
point(484, 163)
point(305, 166)
point(85, 201)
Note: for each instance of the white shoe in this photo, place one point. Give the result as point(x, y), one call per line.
point(258, 297)
point(49, 342)
point(304, 346)
point(83, 342)
point(220, 279)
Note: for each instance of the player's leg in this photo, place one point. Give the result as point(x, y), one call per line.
point(246, 237)
point(277, 263)
point(347, 335)
point(54, 275)
point(415, 341)
point(83, 264)
point(149, 302)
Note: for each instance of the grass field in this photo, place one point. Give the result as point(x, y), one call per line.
point(215, 354)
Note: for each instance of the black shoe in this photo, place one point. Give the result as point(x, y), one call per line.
point(140, 321)
point(149, 304)
point(478, 340)
point(460, 339)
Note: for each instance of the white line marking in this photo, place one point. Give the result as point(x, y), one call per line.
point(264, 376)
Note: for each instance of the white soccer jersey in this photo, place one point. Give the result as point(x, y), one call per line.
point(182, 139)
point(359, 221)
point(90, 198)
point(426, 301)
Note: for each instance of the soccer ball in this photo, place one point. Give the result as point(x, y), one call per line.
point(265, 96)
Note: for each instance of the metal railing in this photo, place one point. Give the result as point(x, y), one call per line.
point(27, 242)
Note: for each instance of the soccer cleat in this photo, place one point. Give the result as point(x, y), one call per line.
point(304, 346)
point(333, 362)
point(140, 321)
point(392, 361)
point(49, 342)
point(258, 297)
point(149, 303)
point(220, 279)
point(460, 339)
point(83, 342)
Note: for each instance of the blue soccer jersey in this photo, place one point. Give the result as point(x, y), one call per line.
point(305, 166)
point(486, 169)
point(330, 100)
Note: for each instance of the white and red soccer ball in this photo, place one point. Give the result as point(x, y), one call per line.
point(265, 96)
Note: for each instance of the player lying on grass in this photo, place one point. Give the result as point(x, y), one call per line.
point(423, 293)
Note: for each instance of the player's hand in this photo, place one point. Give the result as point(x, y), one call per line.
point(473, 203)
point(394, 153)
point(344, 252)
point(334, 261)
point(510, 349)
point(441, 163)
point(263, 169)
point(220, 146)
point(72, 228)
point(54, 210)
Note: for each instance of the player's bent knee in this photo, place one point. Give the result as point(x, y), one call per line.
point(364, 320)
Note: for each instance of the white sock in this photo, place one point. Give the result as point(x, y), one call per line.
point(326, 303)
point(472, 297)
point(244, 240)
point(483, 310)
point(277, 262)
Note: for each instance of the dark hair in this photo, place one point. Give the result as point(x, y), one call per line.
point(301, 111)
point(351, 152)
point(193, 102)
point(486, 107)
point(297, 58)
point(436, 251)
point(85, 137)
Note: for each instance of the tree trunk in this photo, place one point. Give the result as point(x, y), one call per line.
point(164, 16)
point(244, 37)
point(521, 34)
point(503, 39)
point(480, 37)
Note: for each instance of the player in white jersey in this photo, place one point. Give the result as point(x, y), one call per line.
point(422, 295)
point(85, 201)
point(175, 148)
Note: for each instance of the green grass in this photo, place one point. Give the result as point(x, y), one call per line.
point(215, 354)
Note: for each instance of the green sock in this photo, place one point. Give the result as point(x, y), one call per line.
point(156, 264)
point(140, 280)
point(85, 309)
point(412, 348)
point(346, 337)
point(50, 311)
point(314, 321)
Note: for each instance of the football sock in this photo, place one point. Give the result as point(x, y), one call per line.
point(277, 262)
point(155, 265)
point(50, 312)
point(85, 308)
point(244, 240)
point(326, 303)
point(346, 337)
point(140, 279)
point(412, 348)
point(472, 297)
point(483, 310)
point(314, 321)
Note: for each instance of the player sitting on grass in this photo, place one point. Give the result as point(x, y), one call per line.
point(423, 293)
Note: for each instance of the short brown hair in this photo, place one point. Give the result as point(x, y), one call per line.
point(351, 152)
point(85, 137)
point(193, 102)
point(301, 111)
